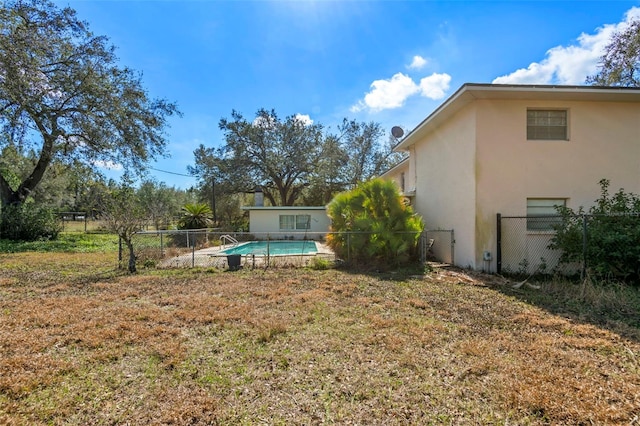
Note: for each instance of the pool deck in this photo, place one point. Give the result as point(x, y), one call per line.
point(213, 257)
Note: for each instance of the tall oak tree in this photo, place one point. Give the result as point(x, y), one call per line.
point(63, 95)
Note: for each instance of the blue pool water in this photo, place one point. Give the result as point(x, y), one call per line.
point(274, 248)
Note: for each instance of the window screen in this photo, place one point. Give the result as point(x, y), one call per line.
point(287, 221)
point(303, 221)
point(546, 124)
point(542, 214)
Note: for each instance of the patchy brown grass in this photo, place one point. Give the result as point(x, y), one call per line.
point(83, 344)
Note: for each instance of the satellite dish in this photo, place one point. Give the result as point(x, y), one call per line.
point(397, 132)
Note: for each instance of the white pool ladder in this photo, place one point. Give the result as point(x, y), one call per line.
point(229, 239)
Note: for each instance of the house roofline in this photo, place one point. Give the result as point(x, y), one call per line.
point(469, 92)
point(582, 87)
point(397, 166)
point(284, 208)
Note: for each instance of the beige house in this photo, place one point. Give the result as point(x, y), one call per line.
point(517, 150)
point(282, 223)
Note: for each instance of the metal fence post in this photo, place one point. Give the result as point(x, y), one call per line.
point(119, 252)
point(498, 243)
point(453, 249)
point(583, 273)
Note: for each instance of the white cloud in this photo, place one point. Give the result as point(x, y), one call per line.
point(535, 73)
point(304, 119)
point(435, 86)
point(570, 64)
point(392, 93)
point(418, 63)
point(387, 94)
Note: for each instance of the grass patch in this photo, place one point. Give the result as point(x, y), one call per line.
point(609, 304)
point(83, 344)
point(66, 242)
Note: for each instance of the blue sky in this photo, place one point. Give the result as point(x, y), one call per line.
point(392, 62)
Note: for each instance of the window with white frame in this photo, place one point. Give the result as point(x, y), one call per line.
point(303, 221)
point(542, 213)
point(547, 124)
point(299, 221)
point(287, 221)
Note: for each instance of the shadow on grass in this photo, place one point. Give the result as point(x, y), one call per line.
point(610, 305)
point(399, 274)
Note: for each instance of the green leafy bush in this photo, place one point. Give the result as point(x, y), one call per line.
point(611, 248)
point(372, 226)
point(29, 222)
point(320, 264)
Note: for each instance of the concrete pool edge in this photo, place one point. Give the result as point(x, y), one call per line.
point(322, 249)
point(273, 248)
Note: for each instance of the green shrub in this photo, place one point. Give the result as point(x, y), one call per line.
point(320, 264)
point(372, 226)
point(150, 263)
point(611, 249)
point(29, 222)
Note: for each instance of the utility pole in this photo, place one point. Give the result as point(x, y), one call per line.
point(213, 199)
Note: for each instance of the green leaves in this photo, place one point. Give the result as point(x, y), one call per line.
point(293, 160)
point(278, 155)
point(29, 222)
point(606, 237)
point(371, 225)
point(619, 66)
point(196, 216)
point(63, 82)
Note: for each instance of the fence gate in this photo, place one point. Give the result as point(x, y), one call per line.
point(437, 244)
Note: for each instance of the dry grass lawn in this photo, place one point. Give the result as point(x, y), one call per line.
point(82, 344)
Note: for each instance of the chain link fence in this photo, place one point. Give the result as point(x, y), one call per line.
point(81, 222)
point(232, 250)
point(92, 223)
point(605, 246)
point(523, 247)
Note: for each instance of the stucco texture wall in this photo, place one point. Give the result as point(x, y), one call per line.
point(266, 220)
point(604, 142)
point(445, 181)
point(398, 174)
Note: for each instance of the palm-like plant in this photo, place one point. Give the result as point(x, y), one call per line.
point(196, 216)
point(372, 225)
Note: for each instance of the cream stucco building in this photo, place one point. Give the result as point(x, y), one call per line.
point(283, 222)
point(517, 150)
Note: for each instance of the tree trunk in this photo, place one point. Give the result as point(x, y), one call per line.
point(8, 196)
point(132, 256)
point(267, 193)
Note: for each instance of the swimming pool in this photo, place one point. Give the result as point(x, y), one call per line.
point(274, 248)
